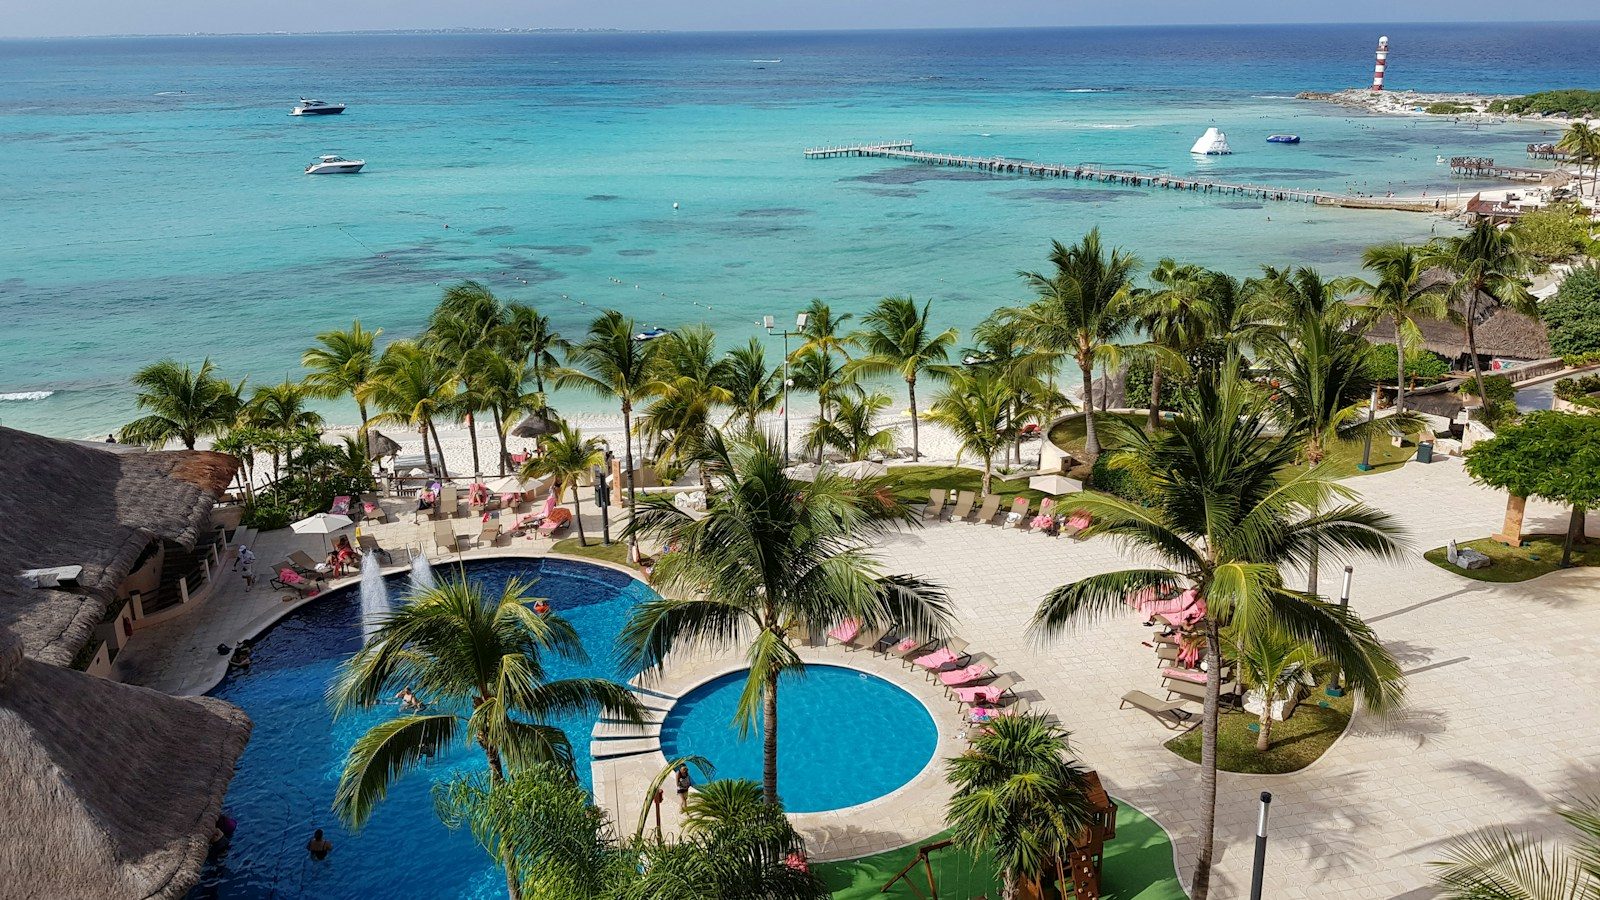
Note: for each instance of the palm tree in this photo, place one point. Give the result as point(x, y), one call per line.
point(899, 339)
point(182, 404)
point(1177, 316)
point(410, 386)
point(817, 371)
point(1021, 798)
point(1004, 346)
point(281, 410)
point(474, 661)
point(1504, 865)
point(569, 456)
point(611, 363)
point(1228, 510)
point(341, 364)
point(770, 555)
point(753, 387)
point(1488, 270)
point(502, 383)
point(818, 364)
point(853, 428)
point(685, 387)
point(1272, 664)
point(1084, 302)
point(1398, 294)
point(1581, 143)
point(529, 336)
point(462, 331)
point(977, 407)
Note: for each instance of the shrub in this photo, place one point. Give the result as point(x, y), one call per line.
point(1119, 481)
point(1136, 384)
point(1584, 391)
point(1572, 316)
point(1449, 108)
point(1498, 387)
point(1553, 233)
point(1421, 365)
point(266, 517)
point(296, 497)
point(1568, 102)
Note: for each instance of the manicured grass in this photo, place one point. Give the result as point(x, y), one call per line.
point(1296, 743)
point(1539, 555)
point(1138, 866)
point(595, 549)
point(1071, 436)
point(912, 483)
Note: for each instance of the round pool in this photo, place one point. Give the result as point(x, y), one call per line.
point(287, 775)
point(844, 737)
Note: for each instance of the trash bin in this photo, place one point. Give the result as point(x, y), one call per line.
point(1425, 451)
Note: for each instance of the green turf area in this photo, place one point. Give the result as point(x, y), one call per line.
point(912, 483)
point(1070, 435)
point(1540, 554)
point(1138, 866)
point(1296, 743)
point(595, 549)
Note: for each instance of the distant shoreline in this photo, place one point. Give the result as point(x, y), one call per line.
point(1416, 103)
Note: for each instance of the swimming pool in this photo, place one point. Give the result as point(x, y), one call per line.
point(844, 737)
point(287, 775)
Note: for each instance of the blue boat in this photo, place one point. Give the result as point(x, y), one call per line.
point(650, 334)
point(1283, 139)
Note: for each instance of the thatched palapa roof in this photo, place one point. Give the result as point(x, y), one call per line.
point(111, 791)
point(1503, 333)
point(380, 445)
point(64, 503)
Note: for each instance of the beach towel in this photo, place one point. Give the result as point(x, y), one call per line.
point(340, 507)
point(962, 676)
point(846, 630)
point(940, 657)
point(981, 694)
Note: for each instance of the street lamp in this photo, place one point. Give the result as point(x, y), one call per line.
point(1337, 688)
point(769, 324)
point(1259, 871)
point(1366, 449)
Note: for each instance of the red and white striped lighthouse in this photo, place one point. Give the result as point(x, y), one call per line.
point(1383, 61)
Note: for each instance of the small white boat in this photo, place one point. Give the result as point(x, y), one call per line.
point(334, 165)
point(316, 108)
point(650, 334)
point(1212, 143)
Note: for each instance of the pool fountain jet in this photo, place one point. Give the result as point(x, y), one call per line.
point(421, 574)
point(374, 596)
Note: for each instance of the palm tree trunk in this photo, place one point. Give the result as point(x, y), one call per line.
point(769, 739)
point(497, 777)
point(1155, 398)
point(1091, 439)
point(500, 435)
point(1472, 349)
point(1264, 736)
point(627, 454)
point(577, 513)
point(362, 408)
point(1400, 364)
point(472, 435)
point(427, 451)
point(988, 467)
point(444, 470)
point(911, 392)
point(1200, 885)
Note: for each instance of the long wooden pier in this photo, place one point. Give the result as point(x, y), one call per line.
point(906, 151)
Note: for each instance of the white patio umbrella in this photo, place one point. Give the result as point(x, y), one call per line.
point(802, 472)
point(864, 469)
point(322, 523)
point(510, 484)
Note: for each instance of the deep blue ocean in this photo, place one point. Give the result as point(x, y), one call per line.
point(154, 202)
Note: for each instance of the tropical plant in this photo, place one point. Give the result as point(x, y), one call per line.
point(475, 663)
point(411, 387)
point(814, 370)
point(611, 363)
point(1084, 305)
point(770, 555)
point(1487, 268)
point(280, 410)
point(502, 384)
point(341, 364)
point(464, 329)
point(1178, 317)
point(528, 336)
point(1228, 509)
point(753, 387)
point(1504, 865)
point(1021, 798)
point(1272, 664)
point(1581, 143)
point(181, 404)
point(1573, 314)
point(1397, 293)
point(1003, 346)
point(686, 386)
point(570, 457)
point(1553, 455)
point(1554, 232)
point(898, 338)
point(977, 407)
point(853, 429)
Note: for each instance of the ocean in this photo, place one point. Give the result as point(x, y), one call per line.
point(154, 204)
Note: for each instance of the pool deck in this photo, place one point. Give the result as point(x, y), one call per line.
point(1497, 728)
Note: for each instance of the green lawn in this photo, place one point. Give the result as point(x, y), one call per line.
point(1070, 435)
point(594, 549)
point(1138, 866)
point(912, 483)
point(1296, 743)
point(1539, 555)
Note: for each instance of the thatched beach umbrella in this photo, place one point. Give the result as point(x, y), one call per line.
point(111, 790)
point(536, 425)
point(380, 446)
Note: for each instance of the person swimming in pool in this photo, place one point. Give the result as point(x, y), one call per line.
point(541, 607)
point(408, 700)
point(319, 847)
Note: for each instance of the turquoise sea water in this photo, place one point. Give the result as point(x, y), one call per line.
point(155, 205)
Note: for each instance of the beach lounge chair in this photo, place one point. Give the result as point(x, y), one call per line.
point(1047, 508)
point(1018, 516)
point(967, 675)
point(444, 537)
point(867, 638)
point(963, 506)
point(372, 510)
point(1171, 713)
point(1076, 523)
point(991, 507)
point(489, 534)
point(304, 563)
point(979, 715)
point(340, 507)
point(845, 631)
point(935, 507)
point(366, 543)
point(559, 518)
point(952, 655)
point(1197, 692)
point(290, 580)
point(985, 694)
point(908, 647)
point(445, 506)
point(1166, 655)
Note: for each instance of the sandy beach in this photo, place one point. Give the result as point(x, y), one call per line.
point(1416, 103)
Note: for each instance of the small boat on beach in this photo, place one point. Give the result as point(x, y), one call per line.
point(334, 165)
point(651, 333)
point(316, 108)
point(1212, 143)
point(1283, 138)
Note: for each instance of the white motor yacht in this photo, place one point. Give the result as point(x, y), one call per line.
point(334, 165)
point(316, 108)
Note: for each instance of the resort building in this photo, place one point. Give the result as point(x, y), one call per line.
point(112, 790)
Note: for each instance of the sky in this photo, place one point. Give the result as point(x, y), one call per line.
point(51, 18)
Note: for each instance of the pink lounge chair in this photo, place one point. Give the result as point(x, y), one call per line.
point(981, 695)
point(340, 507)
point(1077, 523)
point(1193, 676)
point(559, 518)
point(1046, 515)
point(845, 631)
point(951, 653)
point(965, 675)
point(980, 715)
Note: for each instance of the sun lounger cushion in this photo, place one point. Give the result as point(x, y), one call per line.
point(982, 694)
point(943, 656)
point(962, 676)
point(846, 630)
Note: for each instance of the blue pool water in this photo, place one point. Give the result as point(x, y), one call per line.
point(844, 737)
point(286, 778)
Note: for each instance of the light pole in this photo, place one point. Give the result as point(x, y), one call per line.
point(602, 496)
point(769, 323)
point(1337, 688)
point(1261, 848)
point(1372, 410)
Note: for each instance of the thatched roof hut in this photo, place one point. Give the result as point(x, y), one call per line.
point(380, 445)
point(64, 503)
point(536, 425)
point(111, 791)
point(1502, 332)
